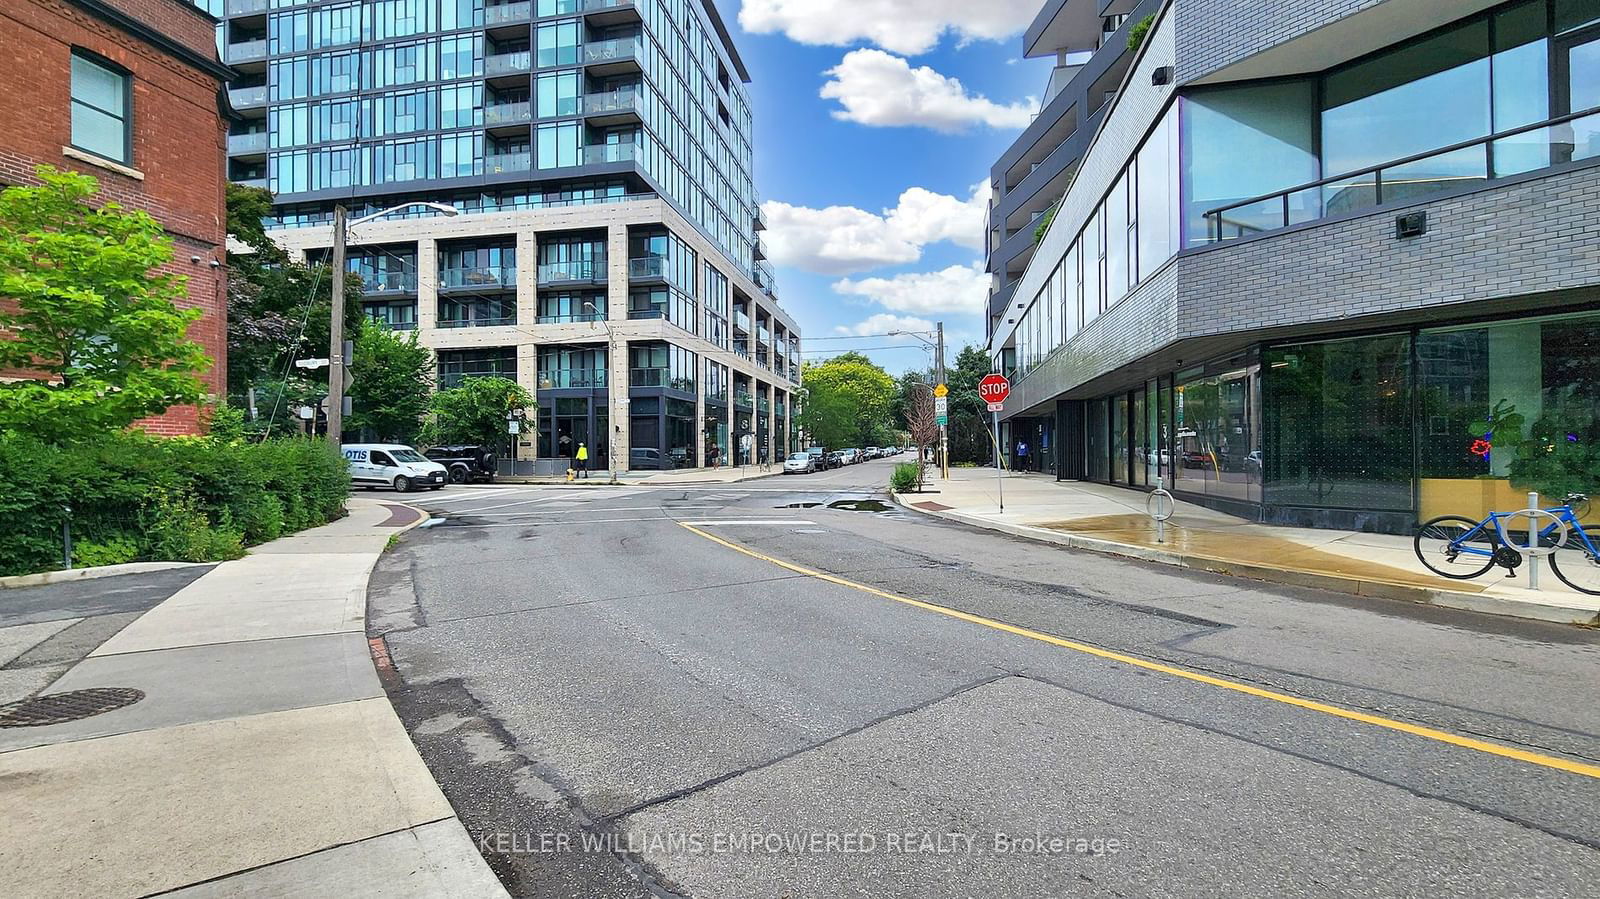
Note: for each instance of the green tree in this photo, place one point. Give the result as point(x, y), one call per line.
point(848, 401)
point(393, 379)
point(84, 306)
point(476, 412)
point(969, 413)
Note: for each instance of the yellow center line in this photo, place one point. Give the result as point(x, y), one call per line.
point(1509, 752)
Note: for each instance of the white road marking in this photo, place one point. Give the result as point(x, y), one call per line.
point(599, 511)
point(526, 502)
point(472, 494)
point(663, 519)
point(729, 521)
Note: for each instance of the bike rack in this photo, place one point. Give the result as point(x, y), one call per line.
point(1534, 552)
point(1153, 508)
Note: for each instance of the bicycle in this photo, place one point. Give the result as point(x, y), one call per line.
point(1457, 547)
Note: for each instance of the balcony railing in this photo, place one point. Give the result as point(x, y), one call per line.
point(617, 50)
point(246, 7)
point(248, 97)
point(588, 270)
point(254, 142)
point(480, 277)
point(508, 113)
point(571, 318)
point(515, 63)
point(1516, 151)
point(479, 322)
point(499, 163)
point(578, 378)
point(648, 267)
point(260, 182)
point(389, 282)
point(744, 399)
point(613, 102)
point(740, 348)
point(508, 13)
point(247, 51)
point(658, 377)
point(600, 153)
point(600, 5)
point(761, 218)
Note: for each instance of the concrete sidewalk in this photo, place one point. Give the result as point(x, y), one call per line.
point(263, 759)
point(1114, 520)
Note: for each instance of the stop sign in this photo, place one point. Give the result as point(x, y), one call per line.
point(994, 389)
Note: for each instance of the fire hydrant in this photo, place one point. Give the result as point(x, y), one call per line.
point(571, 475)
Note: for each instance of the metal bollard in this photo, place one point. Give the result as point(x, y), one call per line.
point(1153, 508)
point(1533, 540)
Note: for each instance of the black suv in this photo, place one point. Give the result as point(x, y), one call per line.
point(465, 463)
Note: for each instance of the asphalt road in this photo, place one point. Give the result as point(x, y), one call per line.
point(747, 690)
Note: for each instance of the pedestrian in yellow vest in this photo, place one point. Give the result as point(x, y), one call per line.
point(583, 460)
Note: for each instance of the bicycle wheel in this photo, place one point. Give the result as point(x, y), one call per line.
point(1576, 566)
point(1455, 547)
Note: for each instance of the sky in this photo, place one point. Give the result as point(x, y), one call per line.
point(876, 122)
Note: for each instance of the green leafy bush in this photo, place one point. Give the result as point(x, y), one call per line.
point(131, 497)
point(1139, 31)
point(907, 476)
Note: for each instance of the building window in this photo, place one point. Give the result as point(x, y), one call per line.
point(100, 115)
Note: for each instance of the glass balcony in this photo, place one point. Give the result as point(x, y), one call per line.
point(508, 14)
point(620, 104)
point(648, 377)
point(248, 97)
point(740, 347)
point(760, 217)
point(601, 153)
point(247, 51)
point(246, 7)
point(517, 63)
point(497, 163)
point(571, 318)
point(587, 270)
point(260, 183)
point(508, 113)
point(389, 282)
point(744, 399)
point(620, 50)
point(254, 142)
point(478, 322)
point(478, 277)
point(578, 378)
point(647, 268)
point(603, 5)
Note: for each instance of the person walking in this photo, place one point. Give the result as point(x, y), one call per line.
point(583, 460)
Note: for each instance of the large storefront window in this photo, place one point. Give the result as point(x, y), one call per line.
point(1506, 408)
point(1218, 451)
point(1271, 125)
point(1339, 424)
point(1095, 444)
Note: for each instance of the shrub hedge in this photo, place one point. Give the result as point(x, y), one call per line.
point(131, 497)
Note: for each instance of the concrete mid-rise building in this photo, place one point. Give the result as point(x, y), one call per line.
point(1325, 264)
point(129, 91)
point(606, 253)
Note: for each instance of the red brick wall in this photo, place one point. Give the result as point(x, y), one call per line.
point(179, 139)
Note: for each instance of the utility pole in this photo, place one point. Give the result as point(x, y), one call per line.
point(944, 428)
point(336, 360)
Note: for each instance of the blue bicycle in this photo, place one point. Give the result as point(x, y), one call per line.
point(1455, 547)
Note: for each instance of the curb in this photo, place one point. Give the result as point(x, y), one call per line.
point(79, 574)
point(1452, 599)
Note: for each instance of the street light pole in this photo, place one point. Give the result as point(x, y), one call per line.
point(336, 360)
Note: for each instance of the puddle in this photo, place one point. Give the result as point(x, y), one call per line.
point(860, 505)
point(1234, 544)
point(800, 506)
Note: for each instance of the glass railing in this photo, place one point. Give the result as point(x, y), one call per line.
point(248, 97)
point(647, 312)
point(647, 377)
point(508, 113)
point(478, 276)
point(477, 322)
point(571, 318)
point(740, 349)
point(610, 51)
point(508, 13)
point(610, 153)
point(648, 267)
point(497, 163)
point(514, 63)
point(251, 182)
point(760, 217)
point(1514, 152)
point(389, 282)
point(578, 378)
point(741, 321)
point(586, 270)
point(600, 5)
point(612, 102)
point(744, 399)
point(247, 51)
point(255, 142)
point(246, 7)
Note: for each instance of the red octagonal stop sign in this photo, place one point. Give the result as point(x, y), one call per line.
point(994, 388)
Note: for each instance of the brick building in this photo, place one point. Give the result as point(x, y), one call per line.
point(129, 91)
point(1311, 251)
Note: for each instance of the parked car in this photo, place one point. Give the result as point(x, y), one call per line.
point(465, 463)
point(850, 456)
point(874, 452)
point(392, 465)
point(800, 463)
point(835, 459)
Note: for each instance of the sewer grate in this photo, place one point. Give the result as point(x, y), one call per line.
point(59, 708)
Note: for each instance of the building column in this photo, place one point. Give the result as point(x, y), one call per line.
point(617, 275)
point(732, 456)
point(527, 278)
point(427, 284)
point(700, 409)
point(617, 383)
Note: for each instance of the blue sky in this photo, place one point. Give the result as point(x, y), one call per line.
point(922, 96)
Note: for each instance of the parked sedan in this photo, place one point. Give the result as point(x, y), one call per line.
point(800, 463)
point(850, 456)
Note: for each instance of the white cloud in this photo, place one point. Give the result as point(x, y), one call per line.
point(882, 90)
point(883, 323)
point(957, 290)
point(904, 26)
point(840, 240)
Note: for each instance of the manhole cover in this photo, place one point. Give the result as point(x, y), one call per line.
point(59, 708)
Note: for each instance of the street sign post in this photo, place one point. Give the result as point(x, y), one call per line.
point(994, 388)
point(941, 408)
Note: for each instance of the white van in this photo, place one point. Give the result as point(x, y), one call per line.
point(392, 465)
